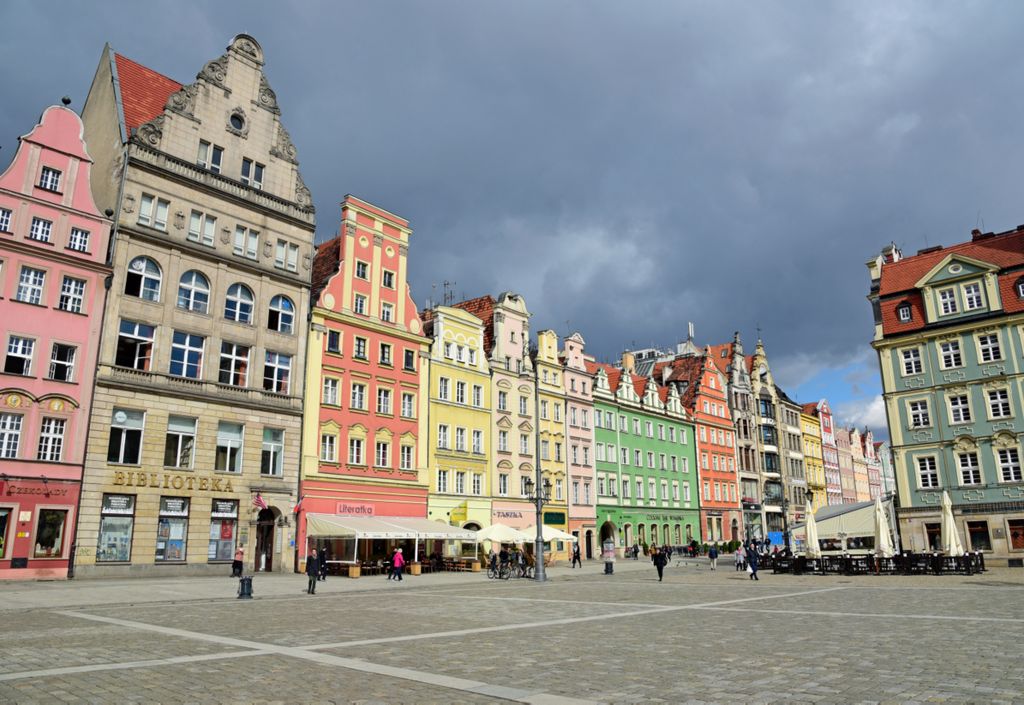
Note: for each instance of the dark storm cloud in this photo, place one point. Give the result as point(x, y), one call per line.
point(628, 167)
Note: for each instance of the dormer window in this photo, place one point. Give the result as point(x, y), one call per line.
point(49, 179)
point(947, 300)
point(1019, 286)
point(972, 297)
point(903, 313)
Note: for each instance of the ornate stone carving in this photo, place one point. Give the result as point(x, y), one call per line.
point(225, 236)
point(350, 229)
point(152, 132)
point(963, 430)
point(378, 240)
point(403, 250)
point(244, 131)
point(267, 99)
point(183, 102)
point(129, 204)
point(931, 497)
point(954, 376)
point(993, 370)
point(1002, 426)
point(973, 495)
point(179, 220)
point(914, 382)
point(1014, 492)
point(216, 72)
point(247, 46)
point(307, 261)
point(302, 195)
point(268, 248)
point(283, 147)
point(922, 436)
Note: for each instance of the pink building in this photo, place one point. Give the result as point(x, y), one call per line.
point(53, 249)
point(579, 400)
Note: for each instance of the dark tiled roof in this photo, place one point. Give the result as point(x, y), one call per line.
point(483, 308)
point(144, 92)
point(326, 264)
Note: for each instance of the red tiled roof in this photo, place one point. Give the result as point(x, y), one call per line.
point(722, 363)
point(639, 384)
point(891, 322)
point(613, 373)
point(1003, 250)
point(1012, 301)
point(144, 92)
point(483, 308)
point(810, 409)
point(686, 369)
point(326, 263)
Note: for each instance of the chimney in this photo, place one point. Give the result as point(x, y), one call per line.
point(629, 362)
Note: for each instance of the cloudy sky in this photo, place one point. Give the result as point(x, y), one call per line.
point(628, 167)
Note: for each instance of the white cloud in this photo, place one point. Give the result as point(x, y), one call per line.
point(864, 412)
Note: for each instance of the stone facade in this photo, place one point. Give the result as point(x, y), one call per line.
point(196, 427)
point(53, 245)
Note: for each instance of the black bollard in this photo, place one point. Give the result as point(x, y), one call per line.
point(245, 587)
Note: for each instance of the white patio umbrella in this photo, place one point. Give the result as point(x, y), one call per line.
point(951, 544)
point(813, 549)
point(549, 533)
point(883, 536)
point(500, 533)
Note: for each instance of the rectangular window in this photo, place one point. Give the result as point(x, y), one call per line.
point(117, 521)
point(444, 388)
point(405, 458)
point(460, 392)
point(10, 435)
point(951, 354)
point(919, 414)
point(334, 341)
point(970, 471)
point(359, 306)
point(502, 401)
point(575, 492)
point(229, 447)
point(998, 403)
point(358, 400)
point(388, 279)
point(639, 488)
point(386, 312)
point(277, 372)
point(559, 490)
point(626, 485)
point(543, 409)
point(636, 427)
point(442, 480)
point(331, 391)
point(355, 451)
point(385, 354)
point(460, 482)
point(247, 242)
point(624, 459)
point(234, 364)
point(187, 355)
point(927, 473)
point(650, 459)
point(382, 455)
point(972, 297)
point(146, 209)
point(359, 348)
point(524, 444)
point(210, 156)
point(558, 452)
point(51, 525)
point(383, 401)
point(947, 300)
point(649, 427)
point(19, 355)
point(638, 458)
point(40, 230)
point(272, 457)
point(30, 286)
point(460, 439)
point(180, 442)
point(989, 347)
point(912, 361)
point(478, 483)
point(545, 450)
point(503, 441)
point(172, 529)
point(523, 489)
point(478, 395)
point(503, 485)
point(410, 360)
point(959, 409)
point(252, 173)
point(600, 452)
point(223, 529)
point(125, 445)
point(51, 440)
point(202, 228)
point(72, 294)
point(408, 405)
point(49, 179)
point(1009, 465)
point(5, 223)
point(79, 240)
point(442, 437)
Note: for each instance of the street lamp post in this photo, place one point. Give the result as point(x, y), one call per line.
point(539, 499)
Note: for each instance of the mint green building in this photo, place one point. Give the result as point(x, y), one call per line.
point(645, 457)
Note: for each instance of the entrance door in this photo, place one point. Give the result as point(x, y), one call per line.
point(590, 544)
point(265, 540)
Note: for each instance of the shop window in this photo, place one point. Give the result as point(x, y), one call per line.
point(172, 529)
point(1016, 527)
point(5, 522)
point(978, 533)
point(223, 530)
point(117, 521)
point(50, 527)
point(934, 534)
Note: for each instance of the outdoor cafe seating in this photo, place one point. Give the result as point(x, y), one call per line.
point(864, 564)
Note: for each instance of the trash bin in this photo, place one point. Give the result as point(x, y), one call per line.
point(245, 587)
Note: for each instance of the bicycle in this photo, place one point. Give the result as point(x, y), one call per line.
point(504, 571)
point(492, 571)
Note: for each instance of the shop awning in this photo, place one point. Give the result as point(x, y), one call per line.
point(340, 526)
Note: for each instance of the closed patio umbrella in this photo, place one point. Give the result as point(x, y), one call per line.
point(500, 533)
point(883, 535)
point(549, 533)
point(951, 544)
point(813, 549)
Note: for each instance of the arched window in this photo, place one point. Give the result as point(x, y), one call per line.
point(282, 315)
point(194, 292)
point(143, 279)
point(238, 306)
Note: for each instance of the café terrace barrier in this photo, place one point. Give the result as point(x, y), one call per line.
point(903, 564)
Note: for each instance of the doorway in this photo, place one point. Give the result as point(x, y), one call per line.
point(264, 556)
point(590, 544)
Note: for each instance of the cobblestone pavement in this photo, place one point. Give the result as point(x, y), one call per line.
point(698, 636)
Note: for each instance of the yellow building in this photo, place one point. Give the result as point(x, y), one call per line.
point(458, 419)
point(810, 426)
point(551, 399)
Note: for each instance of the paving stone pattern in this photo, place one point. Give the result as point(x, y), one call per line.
point(698, 637)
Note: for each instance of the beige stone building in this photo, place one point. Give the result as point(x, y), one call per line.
point(195, 433)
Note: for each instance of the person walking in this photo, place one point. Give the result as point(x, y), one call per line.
point(658, 559)
point(752, 558)
point(576, 556)
point(397, 562)
point(636, 551)
point(236, 565)
point(713, 556)
point(323, 564)
point(312, 571)
point(739, 559)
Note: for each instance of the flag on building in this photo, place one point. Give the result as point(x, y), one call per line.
point(258, 501)
point(298, 505)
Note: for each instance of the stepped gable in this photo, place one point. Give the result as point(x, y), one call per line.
point(143, 91)
point(326, 264)
point(483, 308)
point(613, 373)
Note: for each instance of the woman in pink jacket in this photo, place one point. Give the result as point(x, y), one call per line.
point(397, 562)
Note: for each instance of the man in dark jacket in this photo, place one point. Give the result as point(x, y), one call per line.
point(752, 559)
point(312, 571)
point(658, 559)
